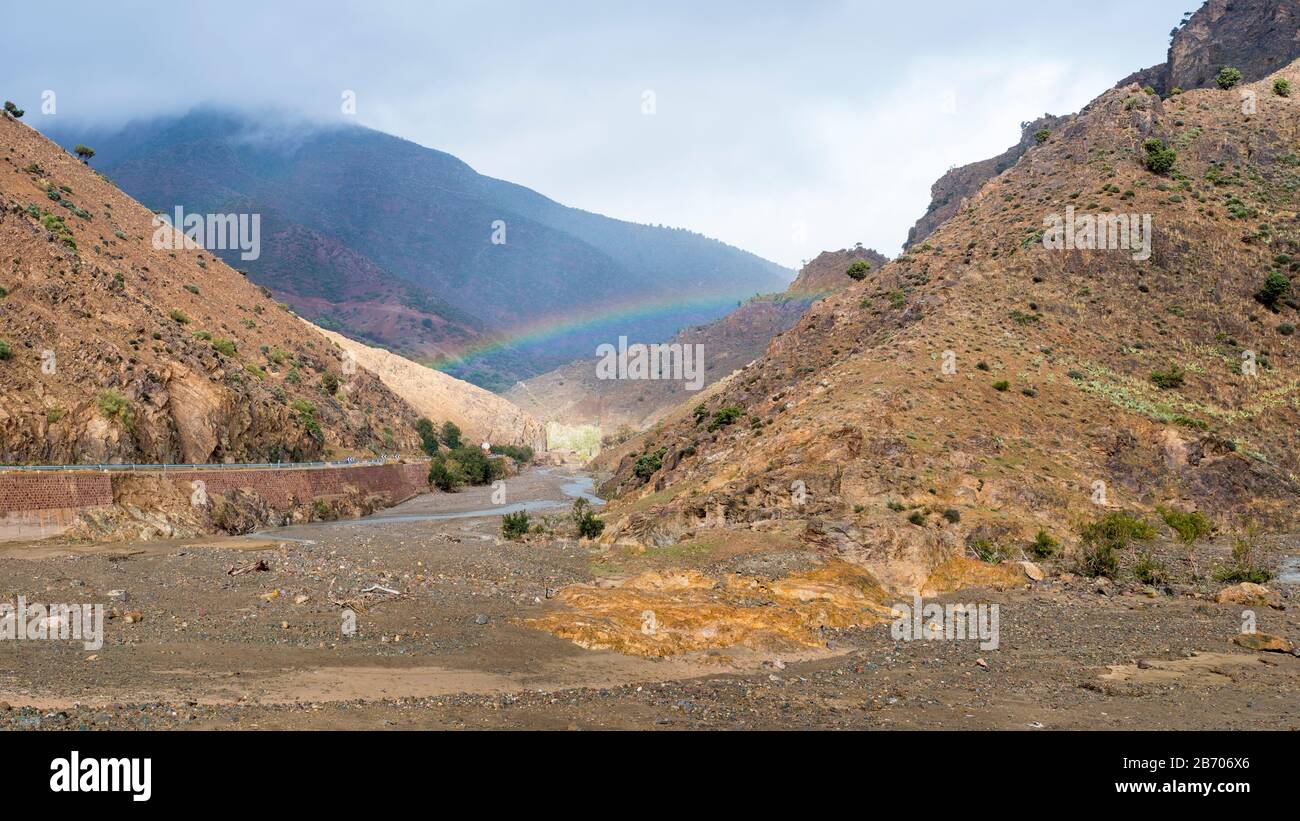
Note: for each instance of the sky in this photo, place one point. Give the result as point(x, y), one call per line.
point(785, 128)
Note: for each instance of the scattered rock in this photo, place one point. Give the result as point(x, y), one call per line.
point(1249, 594)
point(1264, 642)
point(481, 619)
point(1033, 571)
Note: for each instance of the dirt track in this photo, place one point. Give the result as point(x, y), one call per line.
point(212, 652)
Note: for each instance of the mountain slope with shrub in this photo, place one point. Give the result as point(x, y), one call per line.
point(1080, 381)
point(115, 351)
point(1256, 37)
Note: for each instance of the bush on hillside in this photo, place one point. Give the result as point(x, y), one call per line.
point(1228, 77)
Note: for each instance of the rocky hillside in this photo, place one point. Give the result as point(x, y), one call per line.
point(953, 190)
point(114, 351)
point(572, 395)
point(984, 387)
point(1257, 37)
point(481, 415)
point(829, 271)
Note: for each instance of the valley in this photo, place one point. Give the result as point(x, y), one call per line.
point(450, 647)
point(432, 450)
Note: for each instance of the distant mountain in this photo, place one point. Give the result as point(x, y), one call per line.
point(390, 242)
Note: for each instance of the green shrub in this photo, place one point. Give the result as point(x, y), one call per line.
point(428, 437)
point(1245, 565)
point(514, 526)
point(1001, 386)
point(13, 110)
point(1282, 87)
point(858, 270)
point(225, 346)
point(1150, 570)
point(450, 435)
point(1188, 526)
point(1042, 135)
point(178, 316)
point(1097, 559)
point(329, 383)
point(589, 527)
point(1276, 285)
point(445, 476)
point(1228, 77)
point(471, 465)
point(520, 453)
point(1168, 379)
point(917, 518)
point(83, 152)
point(987, 551)
point(193, 289)
point(952, 515)
point(647, 464)
point(1158, 157)
point(723, 417)
point(1101, 540)
point(113, 404)
point(700, 413)
point(6, 352)
point(1043, 545)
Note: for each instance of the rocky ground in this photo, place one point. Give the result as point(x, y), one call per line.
point(193, 646)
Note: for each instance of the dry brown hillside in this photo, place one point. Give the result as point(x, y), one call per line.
point(1073, 367)
point(480, 414)
point(116, 351)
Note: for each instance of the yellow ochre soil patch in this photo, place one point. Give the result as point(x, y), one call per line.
point(962, 571)
point(667, 612)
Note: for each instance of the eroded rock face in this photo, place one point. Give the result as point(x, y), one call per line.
point(961, 184)
point(1258, 37)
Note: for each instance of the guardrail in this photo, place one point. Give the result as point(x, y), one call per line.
point(213, 466)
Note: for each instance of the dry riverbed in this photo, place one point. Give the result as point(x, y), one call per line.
point(452, 648)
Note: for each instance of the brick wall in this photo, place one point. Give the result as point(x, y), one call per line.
point(23, 492)
point(36, 505)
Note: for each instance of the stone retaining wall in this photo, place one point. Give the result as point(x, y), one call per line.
point(39, 505)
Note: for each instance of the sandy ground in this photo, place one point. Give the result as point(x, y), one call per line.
point(214, 650)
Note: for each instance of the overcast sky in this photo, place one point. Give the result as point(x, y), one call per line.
point(784, 128)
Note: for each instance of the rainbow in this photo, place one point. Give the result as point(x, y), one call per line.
point(551, 327)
